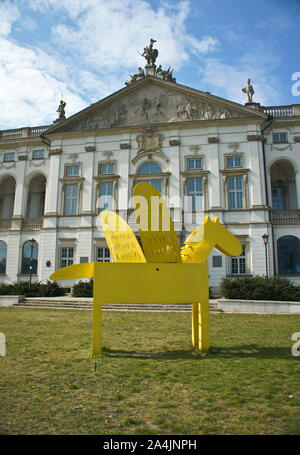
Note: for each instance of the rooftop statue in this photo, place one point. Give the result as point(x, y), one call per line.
point(61, 110)
point(136, 77)
point(249, 91)
point(150, 54)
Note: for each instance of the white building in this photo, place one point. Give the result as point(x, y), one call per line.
point(241, 161)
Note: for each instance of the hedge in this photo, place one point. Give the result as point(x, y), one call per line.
point(83, 289)
point(260, 288)
point(36, 289)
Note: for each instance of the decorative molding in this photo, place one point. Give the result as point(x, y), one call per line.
point(233, 146)
point(281, 149)
point(194, 149)
point(7, 166)
point(149, 140)
point(108, 155)
point(174, 142)
point(73, 157)
point(22, 157)
point(213, 140)
point(55, 151)
point(90, 148)
point(140, 155)
point(37, 162)
point(125, 146)
point(254, 137)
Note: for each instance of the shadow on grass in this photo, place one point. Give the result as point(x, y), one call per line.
point(230, 352)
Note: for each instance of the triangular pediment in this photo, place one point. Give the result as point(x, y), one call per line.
point(152, 102)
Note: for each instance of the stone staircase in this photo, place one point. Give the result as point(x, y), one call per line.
point(73, 303)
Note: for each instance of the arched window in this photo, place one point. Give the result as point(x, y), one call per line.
point(7, 197)
point(36, 197)
point(3, 255)
point(151, 168)
point(288, 249)
point(30, 258)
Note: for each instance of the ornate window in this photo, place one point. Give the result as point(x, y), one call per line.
point(279, 137)
point(106, 194)
point(236, 188)
point(194, 163)
point(72, 170)
point(233, 161)
point(235, 192)
point(3, 256)
point(151, 172)
point(288, 250)
point(195, 194)
point(106, 168)
point(71, 199)
point(72, 189)
point(194, 183)
point(66, 256)
point(29, 258)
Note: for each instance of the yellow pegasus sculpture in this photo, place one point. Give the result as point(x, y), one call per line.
point(160, 273)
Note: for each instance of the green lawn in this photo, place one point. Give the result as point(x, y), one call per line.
point(148, 380)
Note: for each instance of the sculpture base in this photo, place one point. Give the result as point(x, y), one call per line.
point(253, 105)
point(150, 70)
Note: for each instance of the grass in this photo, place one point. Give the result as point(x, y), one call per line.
point(147, 380)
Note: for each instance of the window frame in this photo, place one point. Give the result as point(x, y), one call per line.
point(38, 157)
point(246, 257)
point(279, 134)
point(35, 259)
point(67, 258)
point(102, 247)
point(5, 154)
point(5, 258)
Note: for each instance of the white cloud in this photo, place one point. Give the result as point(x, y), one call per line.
point(29, 94)
point(257, 63)
point(9, 14)
point(94, 47)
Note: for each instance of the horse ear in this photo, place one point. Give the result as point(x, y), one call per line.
point(216, 220)
point(207, 220)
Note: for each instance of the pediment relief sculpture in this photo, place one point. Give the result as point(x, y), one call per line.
point(152, 105)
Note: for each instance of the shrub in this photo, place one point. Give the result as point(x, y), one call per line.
point(83, 289)
point(259, 288)
point(36, 289)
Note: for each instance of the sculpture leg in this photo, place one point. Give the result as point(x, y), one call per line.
point(203, 318)
point(195, 324)
point(97, 326)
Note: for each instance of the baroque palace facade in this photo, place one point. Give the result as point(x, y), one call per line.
point(205, 155)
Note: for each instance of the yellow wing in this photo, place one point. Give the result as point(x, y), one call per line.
point(158, 237)
point(121, 241)
point(72, 272)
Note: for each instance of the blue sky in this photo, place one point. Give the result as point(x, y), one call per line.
point(86, 50)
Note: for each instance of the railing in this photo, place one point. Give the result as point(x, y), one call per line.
point(285, 216)
point(5, 224)
point(278, 111)
point(32, 224)
point(19, 133)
